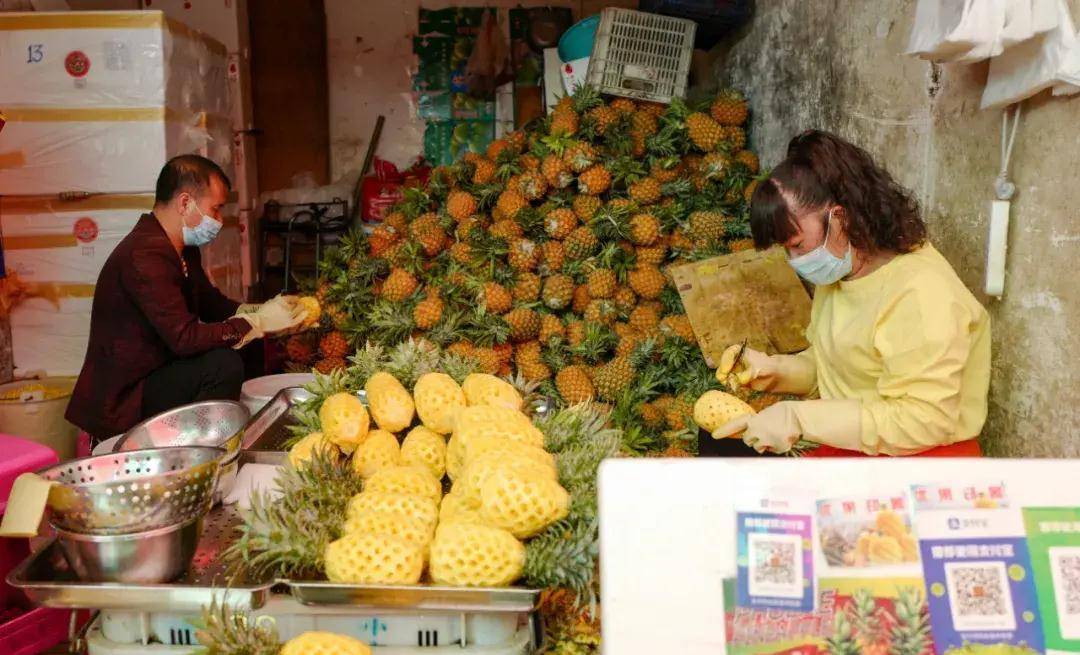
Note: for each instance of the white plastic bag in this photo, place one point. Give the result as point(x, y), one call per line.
point(1048, 60)
point(957, 30)
point(1025, 19)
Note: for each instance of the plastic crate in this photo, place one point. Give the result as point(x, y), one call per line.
point(641, 55)
point(35, 631)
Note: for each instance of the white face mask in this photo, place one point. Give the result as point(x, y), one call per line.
point(821, 267)
point(204, 232)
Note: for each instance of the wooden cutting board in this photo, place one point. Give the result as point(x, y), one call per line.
point(748, 295)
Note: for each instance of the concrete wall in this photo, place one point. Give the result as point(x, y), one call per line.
point(837, 65)
point(369, 47)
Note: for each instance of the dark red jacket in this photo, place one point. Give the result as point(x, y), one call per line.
point(146, 313)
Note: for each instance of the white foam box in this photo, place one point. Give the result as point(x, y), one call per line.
point(102, 150)
point(109, 59)
point(57, 248)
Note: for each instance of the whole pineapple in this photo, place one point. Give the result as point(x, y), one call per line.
point(586, 207)
point(644, 229)
point(574, 385)
point(749, 160)
point(556, 171)
point(552, 257)
point(551, 328)
point(329, 365)
point(564, 122)
point(524, 255)
point(299, 349)
point(595, 180)
point(399, 285)
point(678, 325)
point(429, 311)
point(601, 283)
point(581, 299)
point(510, 202)
point(460, 205)
point(581, 243)
point(704, 132)
point(647, 281)
point(729, 108)
point(496, 298)
point(524, 324)
point(645, 191)
point(579, 156)
point(334, 345)
point(526, 288)
point(484, 171)
point(706, 226)
point(532, 185)
point(559, 223)
point(558, 291)
point(614, 377)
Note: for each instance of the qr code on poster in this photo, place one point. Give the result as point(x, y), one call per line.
point(1065, 571)
point(979, 595)
point(776, 565)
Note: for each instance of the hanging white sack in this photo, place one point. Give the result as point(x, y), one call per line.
point(1028, 68)
point(1025, 19)
point(957, 30)
point(1069, 75)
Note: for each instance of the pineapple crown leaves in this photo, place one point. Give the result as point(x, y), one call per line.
point(575, 427)
point(285, 532)
point(597, 342)
point(415, 201)
point(532, 223)
point(507, 165)
point(223, 630)
point(555, 144)
point(584, 98)
point(390, 322)
point(366, 361)
point(666, 144)
point(486, 195)
point(409, 360)
point(458, 366)
point(627, 170)
point(612, 223)
point(842, 640)
point(485, 329)
point(671, 301)
point(578, 465)
point(565, 555)
point(556, 354)
point(448, 328)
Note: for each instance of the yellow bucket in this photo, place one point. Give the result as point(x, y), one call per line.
point(34, 410)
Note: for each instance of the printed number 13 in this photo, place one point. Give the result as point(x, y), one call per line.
point(35, 53)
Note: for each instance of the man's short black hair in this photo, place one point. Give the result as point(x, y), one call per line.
point(187, 173)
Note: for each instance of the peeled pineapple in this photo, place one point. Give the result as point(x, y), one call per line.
point(366, 558)
point(422, 447)
point(485, 389)
point(482, 467)
point(483, 444)
point(417, 507)
point(438, 400)
point(715, 408)
point(303, 450)
point(521, 503)
point(380, 450)
point(344, 421)
point(497, 422)
point(412, 480)
point(471, 555)
point(457, 509)
point(394, 524)
point(324, 643)
point(391, 405)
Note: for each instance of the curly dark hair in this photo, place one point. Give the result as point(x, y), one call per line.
point(822, 168)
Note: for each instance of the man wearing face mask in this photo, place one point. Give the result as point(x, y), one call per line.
point(161, 335)
point(899, 357)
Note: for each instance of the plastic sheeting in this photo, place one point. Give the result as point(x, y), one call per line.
point(58, 248)
point(49, 151)
point(109, 59)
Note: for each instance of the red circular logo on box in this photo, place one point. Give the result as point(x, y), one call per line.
point(77, 64)
point(85, 230)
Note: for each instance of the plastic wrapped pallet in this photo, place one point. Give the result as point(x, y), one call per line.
point(57, 248)
point(109, 59)
point(54, 150)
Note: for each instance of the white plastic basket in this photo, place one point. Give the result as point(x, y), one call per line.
point(641, 55)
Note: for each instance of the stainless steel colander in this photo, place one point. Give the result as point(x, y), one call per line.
point(123, 493)
point(216, 423)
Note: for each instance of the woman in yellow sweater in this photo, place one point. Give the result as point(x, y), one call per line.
point(899, 357)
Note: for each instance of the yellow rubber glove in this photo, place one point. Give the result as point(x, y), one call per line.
point(777, 373)
point(281, 315)
point(836, 423)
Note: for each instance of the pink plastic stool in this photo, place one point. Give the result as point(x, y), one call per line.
point(21, 456)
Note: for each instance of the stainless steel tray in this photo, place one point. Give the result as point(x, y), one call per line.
point(48, 581)
point(268, 430)
point(415, 597)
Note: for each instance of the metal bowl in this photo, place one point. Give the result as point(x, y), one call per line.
point(124, 493)
point(214, 423)
point(160, 555)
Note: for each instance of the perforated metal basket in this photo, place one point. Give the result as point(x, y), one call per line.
point(123, 493)
point(215, 423)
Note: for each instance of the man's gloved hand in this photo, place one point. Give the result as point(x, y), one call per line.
point(836, 423)
point(280, 315)
point(761, 372)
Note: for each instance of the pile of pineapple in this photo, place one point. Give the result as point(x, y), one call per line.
point(546, 255)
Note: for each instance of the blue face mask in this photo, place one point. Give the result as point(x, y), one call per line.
point(203, 233)
point(821, 267)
